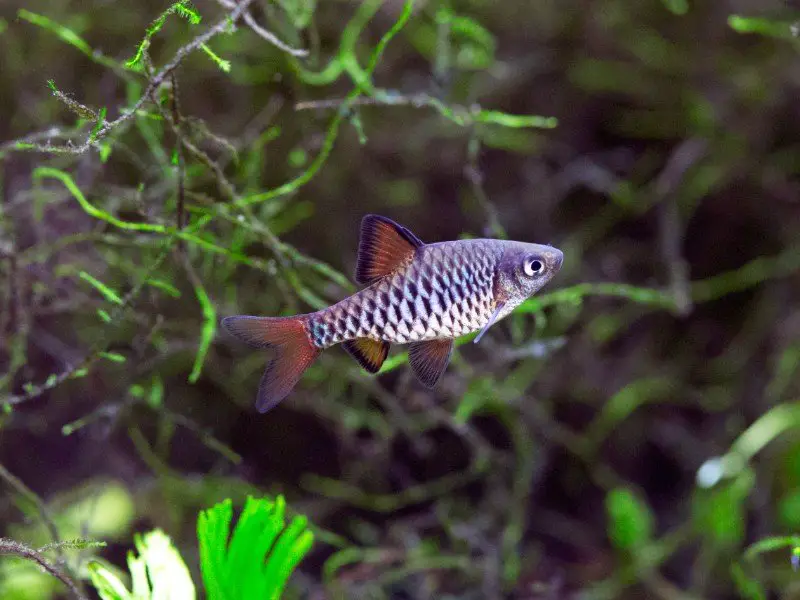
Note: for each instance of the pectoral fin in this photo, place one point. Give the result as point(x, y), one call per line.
point(429, 360)
point(370, 354)
point(384, 246)
point(490, 322)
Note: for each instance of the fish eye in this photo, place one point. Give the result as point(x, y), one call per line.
point(533, 266)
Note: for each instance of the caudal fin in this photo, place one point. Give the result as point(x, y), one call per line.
point(294, 352)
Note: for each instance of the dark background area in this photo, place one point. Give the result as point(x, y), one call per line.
point(625, 441)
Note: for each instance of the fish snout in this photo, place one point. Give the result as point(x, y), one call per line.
point(554, 258)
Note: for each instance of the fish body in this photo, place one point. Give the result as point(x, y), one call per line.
point(421, 294)
point(445, 292)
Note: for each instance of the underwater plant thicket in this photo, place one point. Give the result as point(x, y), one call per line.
point(630, 432)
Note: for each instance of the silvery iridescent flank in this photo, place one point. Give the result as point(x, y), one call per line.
point(446, 292)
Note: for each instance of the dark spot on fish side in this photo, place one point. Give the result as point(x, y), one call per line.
point(385, 300)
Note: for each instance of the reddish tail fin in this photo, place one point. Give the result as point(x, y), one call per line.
point(294, 353)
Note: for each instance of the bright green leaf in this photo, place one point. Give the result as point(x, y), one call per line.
point(678, 7)
point(107, 584)
point(159, 568)
point(233, 564)
point(630, 520)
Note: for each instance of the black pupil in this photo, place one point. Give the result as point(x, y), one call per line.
point(536, 266)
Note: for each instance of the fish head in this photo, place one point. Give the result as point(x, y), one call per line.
point(525, 269)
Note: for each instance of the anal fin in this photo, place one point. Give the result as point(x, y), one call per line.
point(429, 360)
point(369, 353)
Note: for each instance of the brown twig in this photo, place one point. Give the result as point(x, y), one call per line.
point(670, 228)
point(267, 35)
point(11, 547)
point(181, 191)
point(23, 490)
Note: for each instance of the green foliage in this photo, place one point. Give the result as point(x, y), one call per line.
point(630, 520)
point(233, 563)
point(102, 510)
point(300, 12)
point(778, 28)
point(254, 560)
point(68, 36)
point(751, 586)
point(678, 7)
point(183, 9)
point(157, 572)
point(163, 194)
point(720, 513)
point(106, 291)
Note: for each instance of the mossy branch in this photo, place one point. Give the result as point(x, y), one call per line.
point(11, 547)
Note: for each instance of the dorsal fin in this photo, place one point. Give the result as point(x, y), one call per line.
point(384, 246)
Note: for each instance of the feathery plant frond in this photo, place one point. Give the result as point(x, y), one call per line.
point(157, 572)
point(183, 8)
point(233, 565)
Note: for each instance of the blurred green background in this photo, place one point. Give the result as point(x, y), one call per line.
point(631, 432)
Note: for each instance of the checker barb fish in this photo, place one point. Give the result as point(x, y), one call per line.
point(425, 295)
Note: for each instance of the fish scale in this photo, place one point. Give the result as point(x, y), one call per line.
point(447, 291)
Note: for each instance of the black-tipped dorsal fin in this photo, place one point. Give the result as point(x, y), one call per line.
point(384, 246)
point(370, 354)
point(429, 359)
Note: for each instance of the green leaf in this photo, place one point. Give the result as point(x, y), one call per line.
point(474, 44)
point(66, 35)
point(299, 12)
point(720, 513)
point(767, 27)
point(789, 509)
point(182, 8)
point(112, 356)
point(478, 395)
point(101, 120)
point(224, 65)
point(106, 291)
point(677, 7)
point(744, 569)
point(156, 396)
point(235, 569)
point(206, 333)
point(622, 404)
point(630, 521)
point(107, 584)
point(159, 571)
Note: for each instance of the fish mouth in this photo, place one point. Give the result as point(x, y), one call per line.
point(555, 258)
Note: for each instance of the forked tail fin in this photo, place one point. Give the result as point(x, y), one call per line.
point(294, 352)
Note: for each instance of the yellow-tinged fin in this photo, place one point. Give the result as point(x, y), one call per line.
point(429, 360)
point(294, 352)
point(383, 248)
point(370, 354)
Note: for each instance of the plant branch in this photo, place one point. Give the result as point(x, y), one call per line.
point(11, 547)
point(160, 77)
point(267, 35)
